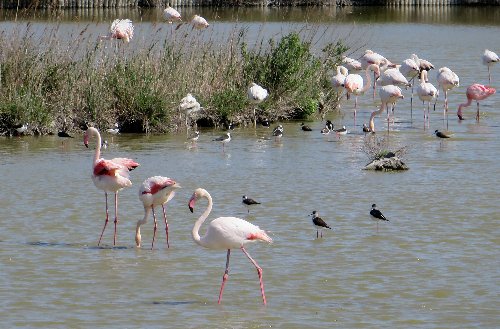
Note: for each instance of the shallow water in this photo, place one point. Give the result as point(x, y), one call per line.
point(434, 265)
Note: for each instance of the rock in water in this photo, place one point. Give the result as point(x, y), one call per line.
point(387, 164)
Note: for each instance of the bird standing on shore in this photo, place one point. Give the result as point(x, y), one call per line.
point(319, 224)
point(377, 215)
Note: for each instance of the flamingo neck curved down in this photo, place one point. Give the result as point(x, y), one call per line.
point(196, 228)
point(374, 114)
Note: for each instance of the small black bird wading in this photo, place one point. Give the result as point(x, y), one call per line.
point(440, 134)
point(249, 202)
point(319, 223)
point(377, 215)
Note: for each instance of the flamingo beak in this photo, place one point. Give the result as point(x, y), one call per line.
point(191, 203)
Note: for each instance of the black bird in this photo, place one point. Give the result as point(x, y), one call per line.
point(265, 122)
point(248, 202)
point(440, 134)
point(64, 134)
point(305, 127)
point(377, 214)
point(278, 131)
point(366, 129)
point(319, 223)
point(329, 125)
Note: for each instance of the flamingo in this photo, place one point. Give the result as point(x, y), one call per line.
point(490, 58)
point(337, 81)
point(475, 92)
point(120, 29)
point(227, 233)
point(318, 223)
point(410, 69)
point(393, 76)
point(354, 84)
point(199, 22)
point(388, 95)
point(171, 15)
point(426, 92)
point(189, 105)
point(422, 63)
point(371, 57)
point(447, 80)
point(256, 95)
point(248, 202)
point(155, 191)
point(377, 215)
point(351, 64)
point(109, 175)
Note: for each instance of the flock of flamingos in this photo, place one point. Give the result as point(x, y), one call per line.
point(227, 233)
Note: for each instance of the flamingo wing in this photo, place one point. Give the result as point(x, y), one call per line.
point(129, 164)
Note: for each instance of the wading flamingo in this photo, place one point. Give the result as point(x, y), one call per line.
point(337, 81)
point(475, 92)
point(422, 63)
point(447, 80)
point(227, 233)
point(351, 64)
point(410, 69)
point(427, 93)
point(371, 57)
point(199, 22)
point(256, 95)
point(155, 191)
point(388, 95)
point(354, 84)
point(490, 58)
point(120, 29)
point(318, 223)
point(108, 175)
point(171, 15)
point(377, 215)
point(189, 105)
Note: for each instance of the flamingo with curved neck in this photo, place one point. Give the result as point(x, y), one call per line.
point(388, 95)
point(354, 84)
point(108, 175)
point(475, 92)
point(227, 233)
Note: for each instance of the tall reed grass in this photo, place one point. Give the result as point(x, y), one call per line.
point(59, 80)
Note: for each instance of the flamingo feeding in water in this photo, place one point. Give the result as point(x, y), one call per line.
point(388, 95)
point(475, 92)
point(490, 58)
point(122, 29)
point(337, 81)
point(447, 80)
point(227, 233)
point(109, 175)
point(256, 95)
point(171, 15)
point(155, 191)
point(426, 92)
point(199, 22)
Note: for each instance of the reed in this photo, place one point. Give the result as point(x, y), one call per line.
point(56, 83)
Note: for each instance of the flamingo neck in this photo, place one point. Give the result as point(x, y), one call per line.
point(196, 228)
point(141, 222)
point(370, 67)
point(374, 114)
point(96, 133)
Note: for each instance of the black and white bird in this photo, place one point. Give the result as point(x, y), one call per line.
point(325, 131)
point(224, 139)
point(115, 130)
point(305, 127)
point(440, 134)
point(319, 223)
point(249, 202)
point(341, 131)
point(278, 131)
point(265, 122)
point(21, 128)
point(193, 137)
point(366, 129)
point(377, 215)
point(329, 125)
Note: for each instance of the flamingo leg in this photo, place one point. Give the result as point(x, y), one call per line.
point(489, 75)
point(445, 113)
point(166, 223)
point(155, 227)
point(224, 277)
point(259, 272)
point(116, 217)
point(107, 218)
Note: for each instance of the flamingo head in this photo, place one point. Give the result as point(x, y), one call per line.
point(86, 139)
point(198, 193)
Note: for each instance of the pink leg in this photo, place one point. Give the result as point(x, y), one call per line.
point(224, 277)
point(107, 219)
point(166, 224)
point(116, 217)
point(259, 272)
point(154, 227)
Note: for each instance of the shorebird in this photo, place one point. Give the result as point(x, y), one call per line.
point(319, 223)
point(377, 214)
point(224, 139)
point(249, 202)
point(440, 134)
point(305, 127)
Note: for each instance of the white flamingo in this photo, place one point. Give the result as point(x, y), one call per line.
point(155, 191)
point(227, 233)
point(121, 29)
point(189, 105)
point(353, 84)
point(337, 81)
point(109, 175)
point(371, 57)
point(422, 63)
point(447, 80)
point(490, 58)
point(388, 95)
point(171, 15)
point(410, 69)
point(351, 64)
point(199, 22)
point(256, 95)
point(426, 92)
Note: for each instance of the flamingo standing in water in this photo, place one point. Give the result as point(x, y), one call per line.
point(227, 233)
point(338, 80)
point(155, 191)
point(371, 57)
point(475, 92)
point(351, 64)
point(171, 15)
point(354, 84)
point(199, 22)
point(388, 95)
point(447, 80)
point(122, 29)
point(108, 175)
point(256, 95)
point(410, 69)
point(426, 92)
point(490, 58)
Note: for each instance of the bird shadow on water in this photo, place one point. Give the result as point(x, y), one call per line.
point(75, 245)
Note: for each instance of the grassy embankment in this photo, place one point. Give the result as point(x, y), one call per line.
point(54, 83)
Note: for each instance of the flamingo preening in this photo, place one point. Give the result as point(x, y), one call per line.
point(475, 92)
point(122, 29)
point(227, 233)
point(155, 191)
point(426, 92)
point(171, 15)
point(337, 81)
point(447, 80)
point(388, 95)
point(353, 84)
point(256, 95)
point(351, 64)
point(109, 175)
point(199, 22)
point(490, 58)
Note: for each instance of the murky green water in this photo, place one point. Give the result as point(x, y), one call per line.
point(434, 265)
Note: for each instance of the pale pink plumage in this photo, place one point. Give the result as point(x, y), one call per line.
point(475, 92)
point(353, 83)
point(226, 233)
point(388, 95)
point(171, 15)
point(393, 76)
point(351, 64)
point(447, 80)
point(109, 175)
point(199, 22)
point(155, 191)
point(426, 92)
point(490, 58)
point(121, 29)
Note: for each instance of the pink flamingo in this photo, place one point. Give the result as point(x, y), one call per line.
point(448, 80)
point(199, 22)
point(353, 84)
point(337, 82)
point(426, 92)
point(227, 233)
point(120, 29)
point(490, 58)
point(371, 57)
point(475, 92)
point(109, 175)
point(171, 15)
point(155, 191)
point(388, 95)
point(351, 64)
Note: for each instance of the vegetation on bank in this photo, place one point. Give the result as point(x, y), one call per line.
point(55, 84)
